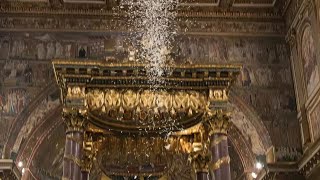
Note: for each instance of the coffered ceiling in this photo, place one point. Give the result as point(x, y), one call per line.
point(271, 7)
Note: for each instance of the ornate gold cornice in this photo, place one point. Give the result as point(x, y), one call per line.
point(117, 96)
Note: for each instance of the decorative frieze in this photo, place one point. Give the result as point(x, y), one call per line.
point(112, 24)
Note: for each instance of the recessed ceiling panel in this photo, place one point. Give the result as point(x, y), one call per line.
point(28, 0)
point(199, 2)
point(86, 1)
point(254, 3)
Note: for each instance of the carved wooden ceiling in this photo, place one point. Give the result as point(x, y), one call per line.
point(234, 8)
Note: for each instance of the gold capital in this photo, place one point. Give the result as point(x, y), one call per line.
point(219, 123)
point(200, 161)
point(74, 119)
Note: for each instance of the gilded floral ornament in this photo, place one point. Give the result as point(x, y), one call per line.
point(131, 104)
point(95, 99)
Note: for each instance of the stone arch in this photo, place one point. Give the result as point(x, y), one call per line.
point(48, 124)
point(244, 119)
point(22, 118)
point(243, 148)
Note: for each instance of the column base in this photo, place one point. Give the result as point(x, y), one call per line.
point(202, 176)
point(84, 175)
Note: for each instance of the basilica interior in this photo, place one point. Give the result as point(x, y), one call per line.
point(239, 98)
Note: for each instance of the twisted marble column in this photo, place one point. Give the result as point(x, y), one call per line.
point(72, 161)
point(220, 162)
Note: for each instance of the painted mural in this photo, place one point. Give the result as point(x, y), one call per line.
point(14, 101)
point(311, 70)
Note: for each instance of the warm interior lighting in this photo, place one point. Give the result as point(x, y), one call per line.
point(254, 175)
point(259, 165)
point(20, 164)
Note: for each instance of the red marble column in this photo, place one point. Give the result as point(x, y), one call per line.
point(225, 159)
point(72, 162)
point(66, 162)
point(220, 157)
point(77, 154)
point(84, 175)
point(220, 160)
point(215, 156)
point(73, 155)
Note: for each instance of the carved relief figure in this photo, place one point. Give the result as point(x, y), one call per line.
point(308, 52)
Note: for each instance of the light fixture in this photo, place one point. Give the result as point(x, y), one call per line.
point(23, 170)
point(254, 175)
point(20, 164)
point(259, 165)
